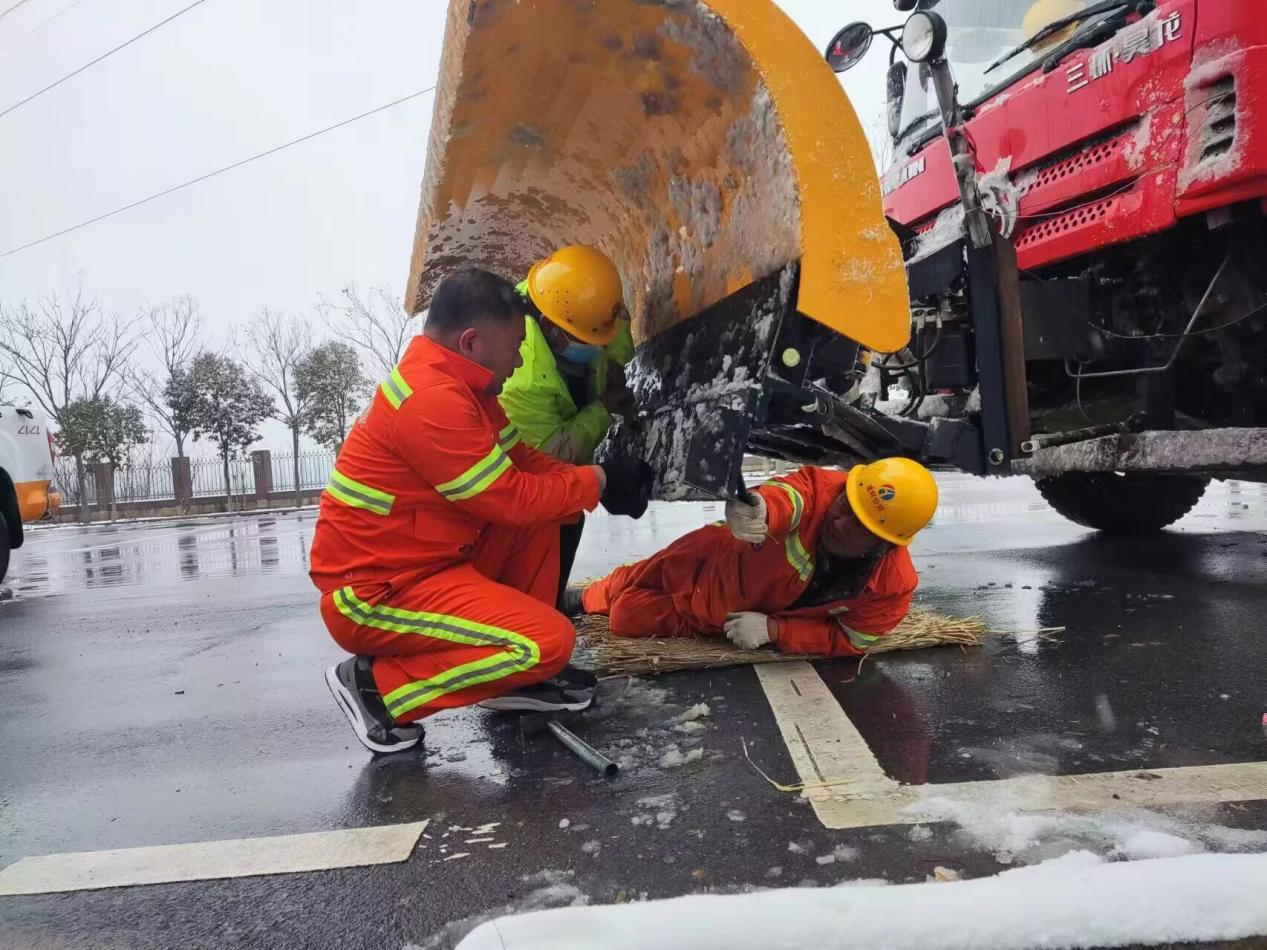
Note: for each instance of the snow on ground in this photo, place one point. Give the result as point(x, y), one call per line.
point(548, 889)
point(1016, 836)
point(1077, 900)
point(655, 734)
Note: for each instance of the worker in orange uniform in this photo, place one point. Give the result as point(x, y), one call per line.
point(437, 542)
point(813, 562)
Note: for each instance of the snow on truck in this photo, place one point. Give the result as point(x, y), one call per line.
point(1060, 276)
point(26, 472)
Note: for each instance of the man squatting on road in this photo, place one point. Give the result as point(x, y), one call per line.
point(436, 549)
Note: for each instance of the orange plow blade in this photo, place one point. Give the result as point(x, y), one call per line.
point(703, 146)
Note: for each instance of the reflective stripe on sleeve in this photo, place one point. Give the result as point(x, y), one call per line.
point(356, 494)
point(860, 641)
point(509, 437)
point(797, 556)
point(394, 388)
point(798, 503)
point(478, 477)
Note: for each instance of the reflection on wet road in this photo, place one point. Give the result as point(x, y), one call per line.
point(60, 559)
point(64, 558)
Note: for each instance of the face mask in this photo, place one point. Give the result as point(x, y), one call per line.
point(581, 354)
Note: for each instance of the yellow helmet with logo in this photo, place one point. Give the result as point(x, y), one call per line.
point(578, 289)
point(1045, 12)
point(893, 498)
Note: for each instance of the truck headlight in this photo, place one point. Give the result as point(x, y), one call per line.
point(924, 37)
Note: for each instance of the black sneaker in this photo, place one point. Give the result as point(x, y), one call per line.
point(570, 604)
point(352, 686)
point(575, 676)
point(552, 695)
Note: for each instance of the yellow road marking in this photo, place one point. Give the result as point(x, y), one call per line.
point(211, 860)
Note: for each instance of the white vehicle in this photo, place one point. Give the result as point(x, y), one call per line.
point(26, 473)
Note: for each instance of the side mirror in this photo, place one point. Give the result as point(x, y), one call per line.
point(905, 6)
point(848, 46)
point(895, 91)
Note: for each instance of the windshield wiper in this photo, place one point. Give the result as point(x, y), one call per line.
point(1057, 25)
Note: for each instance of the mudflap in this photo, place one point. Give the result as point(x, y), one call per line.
point(700, 389)
point(751, 375)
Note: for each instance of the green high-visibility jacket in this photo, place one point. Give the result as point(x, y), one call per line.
point(537, 401)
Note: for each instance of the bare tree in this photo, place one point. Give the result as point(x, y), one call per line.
point(883, 150)
point(374, 322)
point(277, 343)
point(173, 334)
point(65, 349)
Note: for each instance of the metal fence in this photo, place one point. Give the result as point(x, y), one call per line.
point(152, 481)
point(314, 471)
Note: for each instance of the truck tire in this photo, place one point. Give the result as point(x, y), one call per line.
point(4, 547)
point(1117, 503)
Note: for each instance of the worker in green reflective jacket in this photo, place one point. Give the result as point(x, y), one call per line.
point(565, 396)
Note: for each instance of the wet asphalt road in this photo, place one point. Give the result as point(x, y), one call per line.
point(162, 685)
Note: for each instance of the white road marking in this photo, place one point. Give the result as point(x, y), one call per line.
point(211, 860)
point(825, 746)
point(827, 749)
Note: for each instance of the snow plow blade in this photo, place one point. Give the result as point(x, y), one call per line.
point(711, 153)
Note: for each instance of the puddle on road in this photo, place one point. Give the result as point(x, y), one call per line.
point(107, 556)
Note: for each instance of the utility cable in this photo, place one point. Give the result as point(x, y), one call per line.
point(39, 26)
point(219, 171)
point(4, 13)
point(106, 55)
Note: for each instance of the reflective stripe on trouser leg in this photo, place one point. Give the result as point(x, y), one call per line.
point(517, 652)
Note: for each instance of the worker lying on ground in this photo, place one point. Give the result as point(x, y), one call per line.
point(816, 564)
point(574, 351)
point(437, 543)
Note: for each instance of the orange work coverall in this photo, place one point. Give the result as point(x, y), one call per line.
point(690, 586)
point(436, 546)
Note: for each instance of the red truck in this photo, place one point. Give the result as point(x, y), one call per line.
point(1080, 188)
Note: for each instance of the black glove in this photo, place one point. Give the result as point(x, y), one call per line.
point(628, 487)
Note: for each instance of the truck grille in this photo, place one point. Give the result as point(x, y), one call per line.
point(1062, 168)
point(1217, 132)
point(1074, 218)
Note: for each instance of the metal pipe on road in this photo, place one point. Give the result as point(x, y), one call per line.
point(583, 750)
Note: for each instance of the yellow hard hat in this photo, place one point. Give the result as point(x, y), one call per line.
point(1049, 11)
point(578, 289)
point(893, 498)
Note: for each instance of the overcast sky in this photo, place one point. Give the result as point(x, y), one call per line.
point(226, 80)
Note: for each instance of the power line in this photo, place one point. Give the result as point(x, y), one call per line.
point(106, 55)
point(40, 26)
point(6, 12)
point(219, 171)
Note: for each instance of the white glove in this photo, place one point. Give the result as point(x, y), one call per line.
point(747, 522)
point(748, 630)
